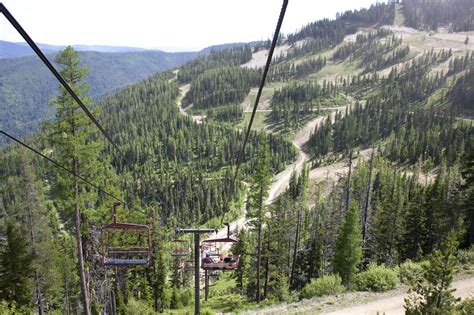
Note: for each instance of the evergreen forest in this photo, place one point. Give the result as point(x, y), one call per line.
point(356, 178)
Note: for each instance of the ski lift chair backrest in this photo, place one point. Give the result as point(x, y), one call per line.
point(126, 255)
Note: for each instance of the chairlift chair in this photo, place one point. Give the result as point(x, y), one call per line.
point(180, 248)
point(228, 263)
point(210, 249)
point(124, 256)
point(188, 266)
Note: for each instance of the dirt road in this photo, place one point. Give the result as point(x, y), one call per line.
point(359, 303)
point(393, 305)
point(184, 89)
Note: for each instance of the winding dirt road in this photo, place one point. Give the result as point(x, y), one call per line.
point(184, 89)
point(282, 179)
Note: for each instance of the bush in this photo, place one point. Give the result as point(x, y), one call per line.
point(227, 303)
point(466, 256)
point(376, 279)
point(181, 298)
point(466, 307)
point(327, 285)
point(139, 307)
point(409, 272)
point(10, 308)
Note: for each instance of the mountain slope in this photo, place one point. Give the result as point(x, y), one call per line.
point(16, 50)
point(26, 85)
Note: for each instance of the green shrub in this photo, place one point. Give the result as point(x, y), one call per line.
point(327, 285)
point(181, 298)
point(224, 285)
point(10, 308)
point(466, 307)
point(377, 279)
point(466, 256)
point(139, 307)
point(410, 271)
point(227, 303)
point(187, 297)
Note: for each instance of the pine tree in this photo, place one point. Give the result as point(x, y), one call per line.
point(468, 187)
point(31, 206)
point(243, 250)
point(433, 294)
point(257, 200)
point(71, 136)
point(348, 246)
point(16, 268)
point(157, 272)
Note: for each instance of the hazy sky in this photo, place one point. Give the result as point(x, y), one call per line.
point(168, 24)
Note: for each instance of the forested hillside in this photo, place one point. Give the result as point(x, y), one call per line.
point(357, 177)
point(454, 14)
point(26, 85)
point(169, 148)
point(14, 50)
point(162, 146)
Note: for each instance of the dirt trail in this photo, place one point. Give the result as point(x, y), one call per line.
point(259, 58)
point(359, 303)
point(302, 136)
point(425, 40)
point(282, 179)
point(184, 89)
point(336, 170)
point(393, 305)
point(264, 103)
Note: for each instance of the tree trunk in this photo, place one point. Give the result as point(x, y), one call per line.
point(348, 185)
point(267, 266)
point(259, 241)
point(80, 254)
point(32, 201)
point(295, 249)
point(365, 216)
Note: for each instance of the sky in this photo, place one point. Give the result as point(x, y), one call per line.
point(172, 25)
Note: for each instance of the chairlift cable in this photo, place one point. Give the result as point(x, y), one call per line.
point(58, 76)
point(257, 99)
point(60, 166)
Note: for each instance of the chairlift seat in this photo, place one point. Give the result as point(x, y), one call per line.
point(181, 248)
point(126, 255)
point(221, 265)
point(128, 252)
point(181, 253)
point(125, 262)
point(229, 263)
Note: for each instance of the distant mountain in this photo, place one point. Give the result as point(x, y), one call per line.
point(26, 85)
point(98, 48)
point(207, 50)
point(15, 50)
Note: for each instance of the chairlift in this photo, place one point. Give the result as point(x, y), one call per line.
point(180, 248)
point(123, 255)
point(188, 266)
point(210, 249)
point(223, 263)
